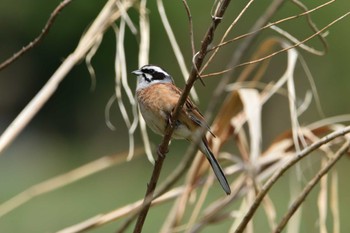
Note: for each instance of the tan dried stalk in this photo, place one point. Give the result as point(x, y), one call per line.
point(242, 105)
point(107, 16)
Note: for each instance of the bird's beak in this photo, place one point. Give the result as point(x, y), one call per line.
point(136, 72)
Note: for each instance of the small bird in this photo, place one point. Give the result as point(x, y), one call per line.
point(157, 96)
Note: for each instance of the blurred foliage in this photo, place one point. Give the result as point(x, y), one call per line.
point(70, 130)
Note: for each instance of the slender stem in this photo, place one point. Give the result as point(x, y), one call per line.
point(166, 185)
point(149, 194)
point(239, 53)
point(302, 196)
point(264, 190)
point(163, 147)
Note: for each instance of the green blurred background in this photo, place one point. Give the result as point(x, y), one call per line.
point(70, 130)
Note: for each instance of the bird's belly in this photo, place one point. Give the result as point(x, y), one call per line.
point(182, 132)
point(157, 122)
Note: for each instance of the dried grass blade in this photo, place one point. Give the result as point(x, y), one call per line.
point(175, 46)
point(270, 211)
point(108, 108)
point(107, 16)
point(62, 180)
point(312, 85)
point(252, 109)
point(200, 202)
point(214, 212)
point(334, 205)
point(322, 200)
point(295, 188)
point(296, 41)
point(247, 201)
point(171, 221)
point(239, 216)
point(120, 74)
point(228, 30)
point(126, 18)
point(103, 219)
point(292, 55)
point(283, 168)
point(222, 125)
point(330, 163)
point(143, 58)
point(88, 59)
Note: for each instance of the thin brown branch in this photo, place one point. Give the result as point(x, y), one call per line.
point(199, 60)
point(257, 30)
point(238, 55)
point(302, 196)
point(229, 29)
point(312, 24)
point(189, 15)
point(39, 38)
point(166, 185)
point(163, 147)
point(150, 191)
point(106, 17)
point(273, 179)
point(279, 51)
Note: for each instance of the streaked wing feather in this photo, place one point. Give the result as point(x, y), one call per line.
point(190, 113)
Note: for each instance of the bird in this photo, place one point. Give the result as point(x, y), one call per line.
point(157, 96)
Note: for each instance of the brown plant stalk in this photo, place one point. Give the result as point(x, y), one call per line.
point(163, 147)
point(278, 174)
point(198, 62)
point(302, 196)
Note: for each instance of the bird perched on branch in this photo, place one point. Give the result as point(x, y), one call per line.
point(157, 97)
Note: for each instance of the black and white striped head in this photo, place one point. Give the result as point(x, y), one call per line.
point(151, 74)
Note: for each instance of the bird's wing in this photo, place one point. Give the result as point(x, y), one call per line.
point(190, 114)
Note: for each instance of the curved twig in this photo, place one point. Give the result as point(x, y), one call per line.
point(163, 147)
point(257, 30)
point(39, 38)
point(229, 29)
point(302, 196)
point(306, 151)
point(279, 51)
point(312, 24)
point(106, 17)
point(189, 15)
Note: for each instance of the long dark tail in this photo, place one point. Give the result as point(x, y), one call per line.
point(215, 166)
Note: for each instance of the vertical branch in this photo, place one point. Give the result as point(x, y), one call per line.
point(163, 147)
point(238, 55)
point(149, 193)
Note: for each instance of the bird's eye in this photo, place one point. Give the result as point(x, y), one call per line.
point(148, 71)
